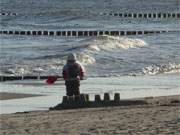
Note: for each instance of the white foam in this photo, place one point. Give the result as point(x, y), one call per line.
point(106, 43)
point(85, 58)
point(159, 69)
point(112, 42)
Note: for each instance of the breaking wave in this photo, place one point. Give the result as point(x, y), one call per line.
point(95, 50)
point(105, 43)
point(160, 69)
point(85, 58)
point(112, 42)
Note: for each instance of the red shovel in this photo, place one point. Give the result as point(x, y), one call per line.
point(51, 79)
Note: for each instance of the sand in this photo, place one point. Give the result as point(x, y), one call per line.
point(161, 116)
point(7, 96)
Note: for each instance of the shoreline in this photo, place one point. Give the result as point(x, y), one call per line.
point(160, 116)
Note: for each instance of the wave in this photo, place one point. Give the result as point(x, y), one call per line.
point(160, 69)
point(22, 70)
point(86, 49)
point(104, 43)
point(65, 15)
point(107, 43)
point(91, 51)
point(85, 59)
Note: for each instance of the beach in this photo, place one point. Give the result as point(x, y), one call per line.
point(131, 48)
point(160, 116)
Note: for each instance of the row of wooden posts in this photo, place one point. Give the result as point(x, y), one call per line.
point(144, 15)
point(12, 78)
point(80, 33)
point(129, 15)
point(8, 14)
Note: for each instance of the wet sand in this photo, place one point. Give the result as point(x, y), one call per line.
point(7, 96)
point(160, 116)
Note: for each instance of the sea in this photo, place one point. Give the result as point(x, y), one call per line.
point(134, 65)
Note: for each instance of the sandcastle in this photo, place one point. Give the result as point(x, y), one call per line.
point(83, 101)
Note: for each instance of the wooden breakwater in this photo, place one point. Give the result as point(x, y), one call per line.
point(30, 77)
point(167, 15)
point(81, 33)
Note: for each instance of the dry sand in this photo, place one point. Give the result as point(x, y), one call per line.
point(160, 117)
